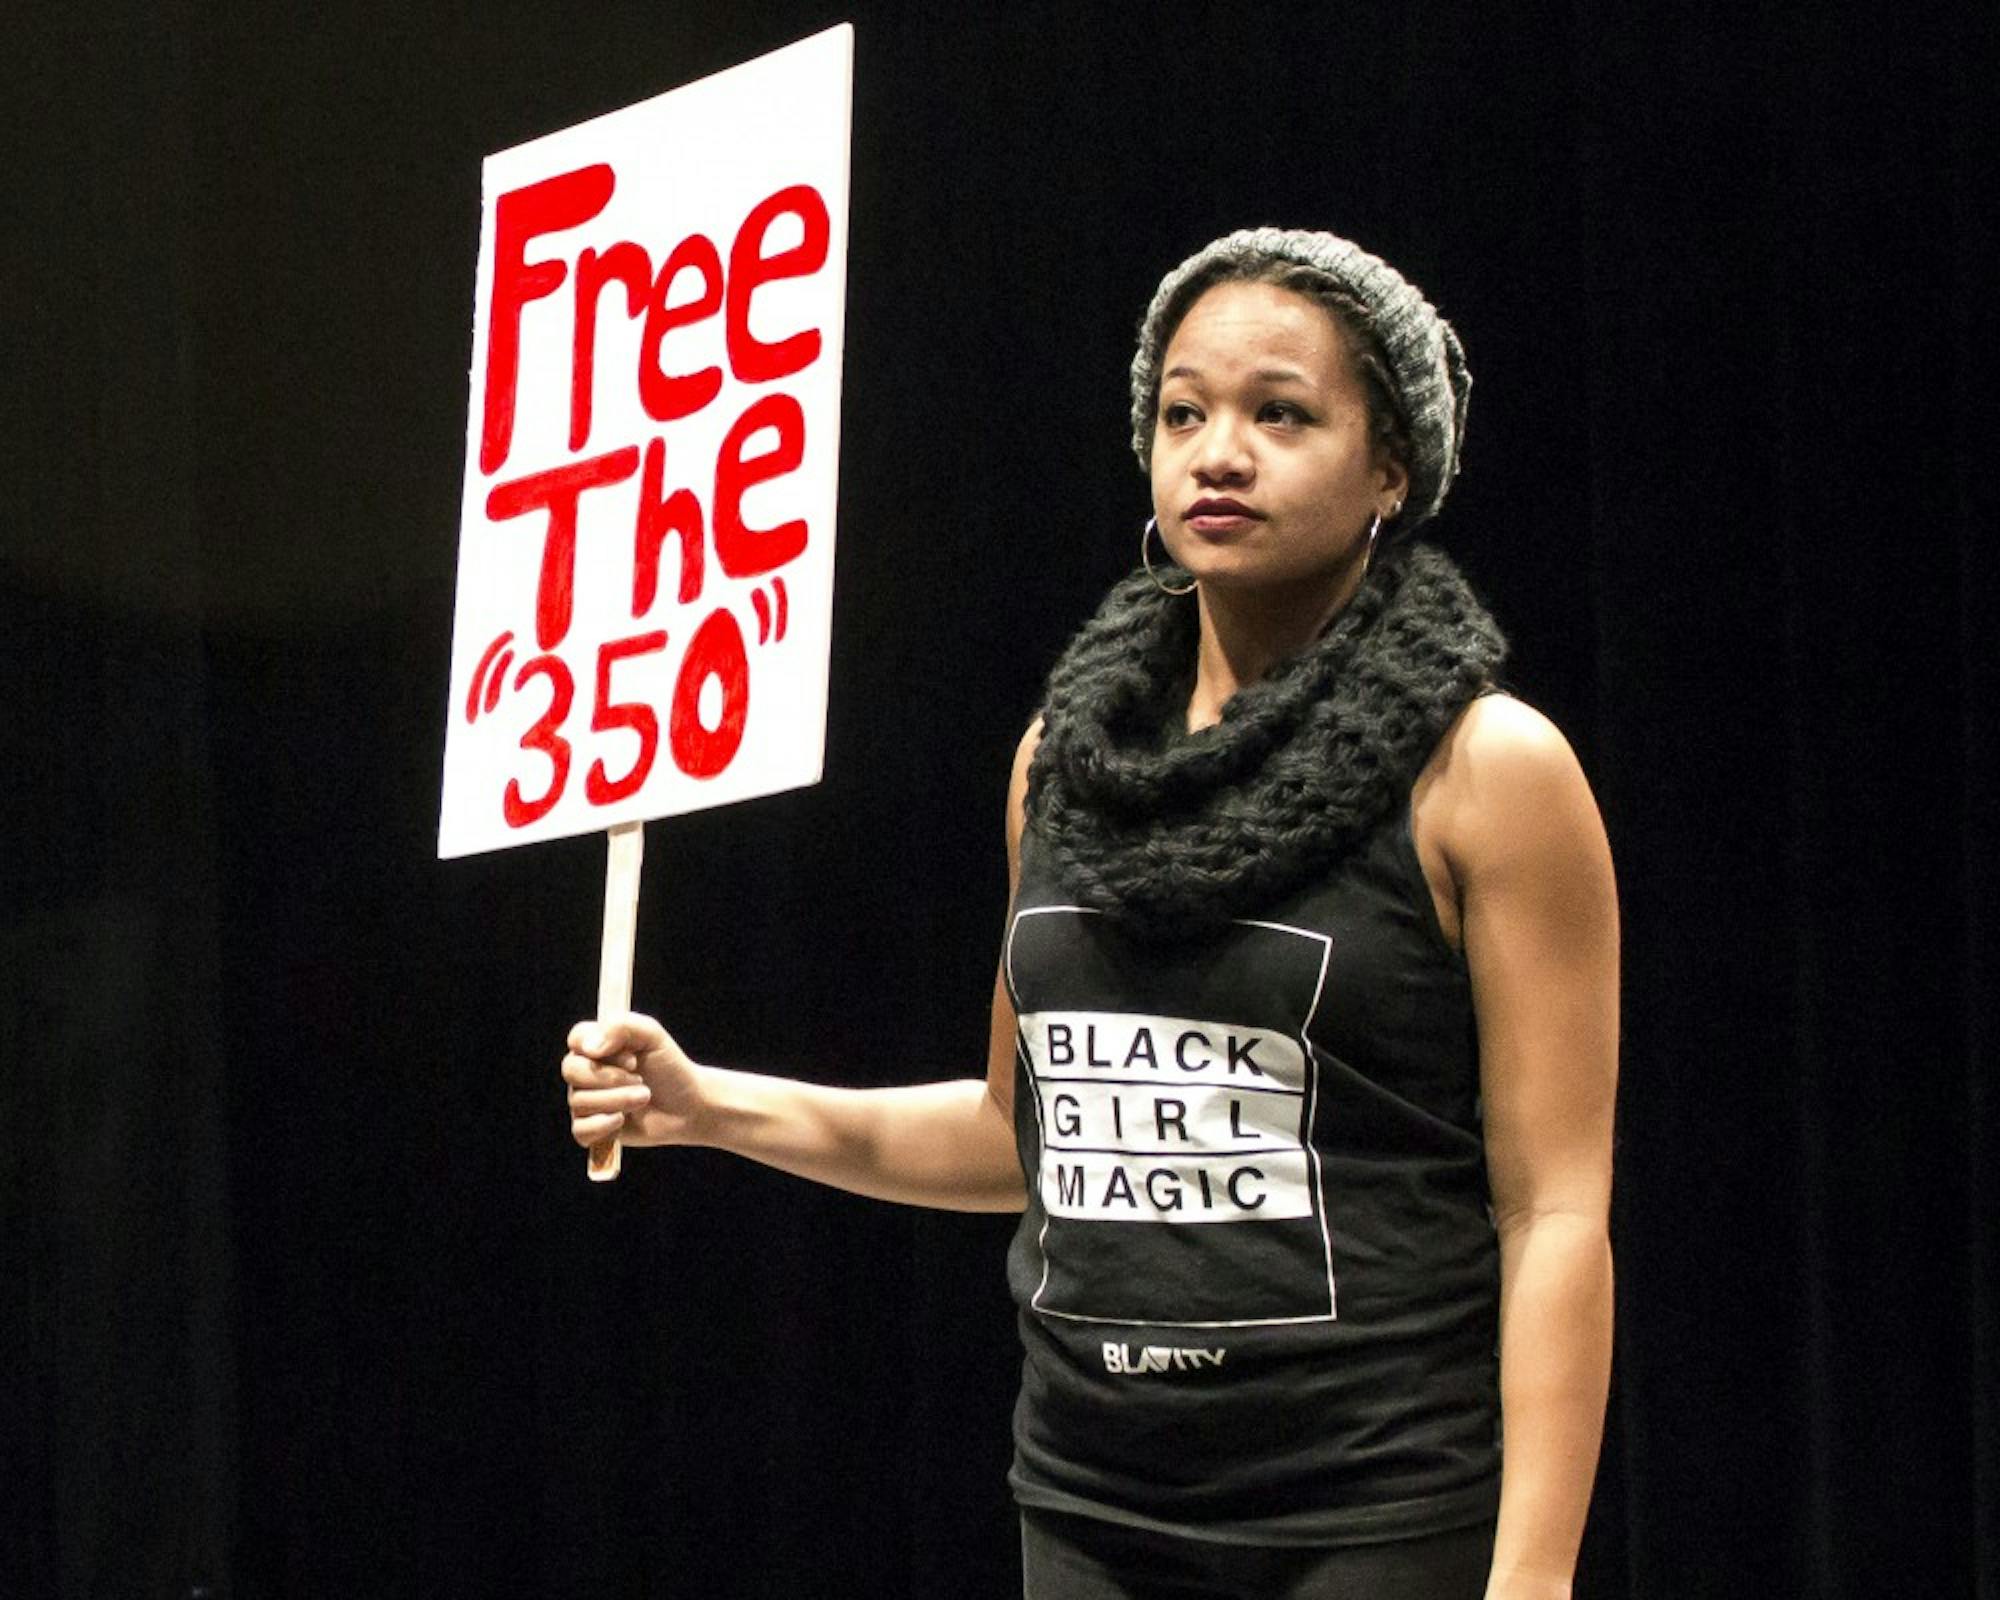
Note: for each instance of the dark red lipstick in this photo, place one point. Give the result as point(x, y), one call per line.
point(1219, 514)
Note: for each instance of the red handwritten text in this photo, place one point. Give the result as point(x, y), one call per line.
point(693, 282)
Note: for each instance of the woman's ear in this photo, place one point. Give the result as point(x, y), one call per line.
point(1394, 482)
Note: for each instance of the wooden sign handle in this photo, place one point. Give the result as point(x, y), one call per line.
point(627, 850)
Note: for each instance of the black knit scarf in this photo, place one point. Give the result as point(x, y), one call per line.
point(1173, 834)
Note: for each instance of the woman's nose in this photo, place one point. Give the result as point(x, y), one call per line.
point(1223, 455)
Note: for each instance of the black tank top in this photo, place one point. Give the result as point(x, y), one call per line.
point(1257, 1275)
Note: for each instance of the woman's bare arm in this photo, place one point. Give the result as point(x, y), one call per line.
point(1539, 916)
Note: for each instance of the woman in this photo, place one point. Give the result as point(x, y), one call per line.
point(1305, 1029)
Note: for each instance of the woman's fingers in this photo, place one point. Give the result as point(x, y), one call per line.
point(631, 1034)
point(601, 1094)
point(588, 1130)
point(596, 1102)
point(607, 1101)
point(584, 1072)
point(598, 1113)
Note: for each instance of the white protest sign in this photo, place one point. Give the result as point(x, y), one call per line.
point(645, 570)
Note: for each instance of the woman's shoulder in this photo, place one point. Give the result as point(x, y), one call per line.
point(1499, 740)
point(1502, 774)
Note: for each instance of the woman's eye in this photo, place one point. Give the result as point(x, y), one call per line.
point(1283, 411)
point(1178, 414)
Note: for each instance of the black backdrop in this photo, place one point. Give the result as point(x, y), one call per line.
point(305, 1293)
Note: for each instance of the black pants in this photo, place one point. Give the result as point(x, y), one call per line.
point(1082, 1558)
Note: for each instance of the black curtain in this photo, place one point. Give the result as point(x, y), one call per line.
point(304, 1290)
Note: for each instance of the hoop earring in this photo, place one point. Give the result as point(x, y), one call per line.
point(1146, 559)
point(1374, 532)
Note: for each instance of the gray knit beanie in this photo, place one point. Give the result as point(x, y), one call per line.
point(1427, 370)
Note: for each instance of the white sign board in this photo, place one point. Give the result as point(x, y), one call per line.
point(645, 566)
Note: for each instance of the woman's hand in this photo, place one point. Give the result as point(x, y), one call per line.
point(628, 1078)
